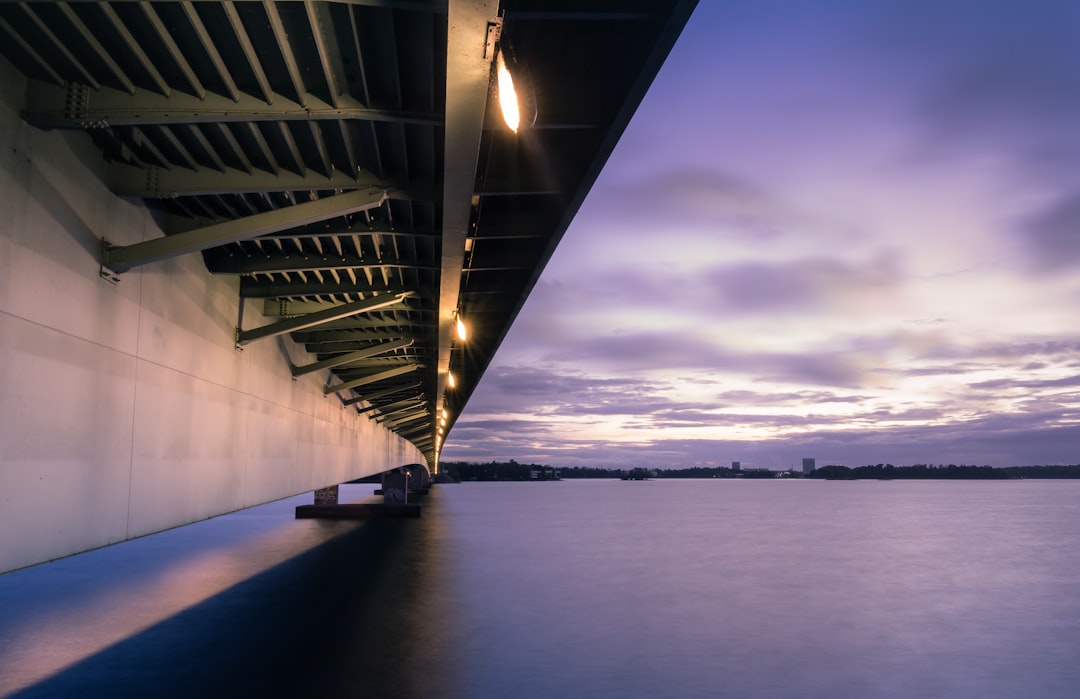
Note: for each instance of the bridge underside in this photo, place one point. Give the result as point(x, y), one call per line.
point(237, 239)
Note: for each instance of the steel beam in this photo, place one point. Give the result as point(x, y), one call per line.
point(359, 367)
point(285, 309)
point(159, 183)
point(421, 414)
point(362, 230)
point(48, 106)
point(304, 262)
point(406, 407)
point(373, 378)
point(351, 357)
point(312, 319)
point(375, 395)
point(255, 288)
point(390, 407)
point(470, 51)
point(314, 338)
point(123, 258)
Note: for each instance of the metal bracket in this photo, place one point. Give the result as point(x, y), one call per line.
point(494, 32)
point(104, 272)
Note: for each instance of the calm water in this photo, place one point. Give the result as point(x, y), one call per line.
point(578, 589)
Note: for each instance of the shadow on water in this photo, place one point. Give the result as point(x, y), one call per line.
point(361, 615)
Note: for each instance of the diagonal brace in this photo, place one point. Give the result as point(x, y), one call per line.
point(121, 258)
point(351, 357)
point(318, 318)
point(378, 394)
point(363, 381)
point(396, 405)
point(408, 407)
point(405, 419)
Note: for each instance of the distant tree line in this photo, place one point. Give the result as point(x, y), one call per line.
point(944, 472)
point(513, 471)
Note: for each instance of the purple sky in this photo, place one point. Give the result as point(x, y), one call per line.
point(847, 230)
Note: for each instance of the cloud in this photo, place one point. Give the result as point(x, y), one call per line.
point(644, 351)
point(1025, 383)
point(693, 196)
point(1052, 236)
point(802, 285)
point(1019, 348)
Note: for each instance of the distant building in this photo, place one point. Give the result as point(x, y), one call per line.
point(736, 466)
point(808, 465)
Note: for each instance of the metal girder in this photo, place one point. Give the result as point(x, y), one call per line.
point(470, 52)
point(420, 414)
point(360, 366)
point(402, 326)
point(48, 106)
point(433, 6)
point(226, 264)
point(373, 378)
point(253, 288)
point(340, 347)
point(315, 338)
point(123, 258)
point(159, 183)
point(343, 359)
point(375, 395)
point(390, 407)
point(312, 319)
point(297, 308)
point(362, 230)
point(403, 407)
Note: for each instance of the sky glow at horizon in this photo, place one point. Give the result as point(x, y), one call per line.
point(846, 230)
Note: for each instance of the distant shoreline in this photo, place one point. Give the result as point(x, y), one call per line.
point(513, 471)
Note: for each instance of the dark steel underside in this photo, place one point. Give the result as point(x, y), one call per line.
point(235, 113)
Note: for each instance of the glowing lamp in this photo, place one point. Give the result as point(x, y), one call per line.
point(462, 333)
point(508, 99)
point(450, 380)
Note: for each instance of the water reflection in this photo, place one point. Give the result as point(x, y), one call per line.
point(301, 609)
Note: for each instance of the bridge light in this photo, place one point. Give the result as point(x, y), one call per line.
point(508, 100)
point(444, 413)
point(450, 380)
point(462, 332)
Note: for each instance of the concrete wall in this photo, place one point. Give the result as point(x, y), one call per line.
point(125, 409)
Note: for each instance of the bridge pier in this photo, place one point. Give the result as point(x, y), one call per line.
point(401, 491)
point(327, 496)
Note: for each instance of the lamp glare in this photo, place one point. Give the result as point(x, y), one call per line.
point(450, 380)
point(508, 100)
point(461, 332)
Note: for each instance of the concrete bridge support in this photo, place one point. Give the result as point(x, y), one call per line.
point(124, 407)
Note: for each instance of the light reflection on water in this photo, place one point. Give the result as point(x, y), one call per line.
point(251, 604)
point(849, 590)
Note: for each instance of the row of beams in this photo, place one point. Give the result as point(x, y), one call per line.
point(50, 106)
point(122, 258)
point(389, 407)
point(383, 393)
point(257, 289)
point(162, 182)
point(297, 308)
point(221, 264)
point(313, 319)
point(373, 378)
point(351, 357)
